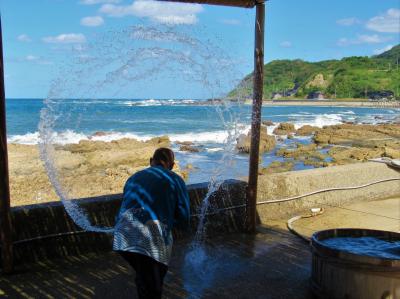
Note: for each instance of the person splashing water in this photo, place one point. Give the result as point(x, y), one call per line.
point(154, 201)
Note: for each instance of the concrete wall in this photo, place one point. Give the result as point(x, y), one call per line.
point(46, 231)
point(288, 184)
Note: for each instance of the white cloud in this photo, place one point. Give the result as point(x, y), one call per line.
point(79, 48)
point(65, 38)
point(363, 39)
point(380, 51)
point(230, 21)
point(160, 12)
point(31, 58)
point(286, 44)
point(371, 39)
point(92, 21)
point(388, 22)
point(24, 38)
point(348, 21)
point(91, 2)
point(343, 42)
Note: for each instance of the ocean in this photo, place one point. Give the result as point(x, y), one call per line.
point(206, 125)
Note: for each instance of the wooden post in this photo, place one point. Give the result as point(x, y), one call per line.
point(5, 216)
point(256, 117)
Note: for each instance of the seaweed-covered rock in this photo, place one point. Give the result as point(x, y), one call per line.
point(184, 142)
point(308, 154)
point(392, 153)
point(267, 123)
point(284, 129)
point(162, 141)
point(307, 130)
point(344, 155)
point(89, 168)
point(267, 142)
point(189, 148)
point(348, 133)
point(276, 167)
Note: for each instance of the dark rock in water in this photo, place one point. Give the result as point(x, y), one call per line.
point(184, 142)
point(189, 148)
point(243, 143)
point(267, 123)
point(290, 136)
point(309, 154)
point(267, 142)
point(162, 141)
point(307, 130)
point(99, 134)
point(189, 166)
point(284, 129)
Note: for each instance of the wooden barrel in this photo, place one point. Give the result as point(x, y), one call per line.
point(340, 274)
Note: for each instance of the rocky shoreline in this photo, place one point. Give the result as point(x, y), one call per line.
point(92, 168)
point(329, 146)
point(89, 168)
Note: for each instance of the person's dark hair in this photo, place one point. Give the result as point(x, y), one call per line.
point(165, 155)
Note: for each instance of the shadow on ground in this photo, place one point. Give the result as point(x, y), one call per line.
point(270, 264)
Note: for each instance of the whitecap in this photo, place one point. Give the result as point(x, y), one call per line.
point(212, 137)
point(28, 138)
point(321, 120)
point(215, 149)
point(70, 137)
point(347, 112)
point(153, 102)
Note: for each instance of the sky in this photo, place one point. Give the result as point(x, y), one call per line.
point(40, 36)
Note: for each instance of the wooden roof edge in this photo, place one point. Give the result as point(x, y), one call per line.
point(234, 3)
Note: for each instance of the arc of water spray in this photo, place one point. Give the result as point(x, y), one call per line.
point(106, 57)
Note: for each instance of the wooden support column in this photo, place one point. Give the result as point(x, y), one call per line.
point(256, 117)
point(5, 216)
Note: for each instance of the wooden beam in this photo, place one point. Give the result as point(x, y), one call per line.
point(235, 3)
point(256, 117)
point(5, 216)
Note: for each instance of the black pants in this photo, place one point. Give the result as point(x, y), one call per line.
point(149, 274)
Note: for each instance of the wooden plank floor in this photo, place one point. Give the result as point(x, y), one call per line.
point(271, 264)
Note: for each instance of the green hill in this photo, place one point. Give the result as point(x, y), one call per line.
point(350, 77)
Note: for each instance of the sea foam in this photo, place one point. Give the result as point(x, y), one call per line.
point(320, 120)
point(69, 137)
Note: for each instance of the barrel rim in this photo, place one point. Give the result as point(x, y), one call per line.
point(321, 249)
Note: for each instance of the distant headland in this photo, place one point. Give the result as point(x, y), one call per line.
point(355, 78)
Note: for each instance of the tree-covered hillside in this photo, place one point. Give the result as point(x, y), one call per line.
point(351, 77)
